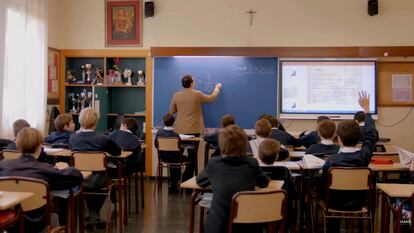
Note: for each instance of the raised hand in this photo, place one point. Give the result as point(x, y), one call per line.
point(218, 86)
point(363, 101)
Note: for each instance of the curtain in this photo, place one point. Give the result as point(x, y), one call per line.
point(23, 63)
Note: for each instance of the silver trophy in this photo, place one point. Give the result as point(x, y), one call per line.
point(89, 99)
point(141, 77)
point(127, 75)
point(72, 101)
point(83, 74)
point(82, 99)
point(88, 71)
point(98, 76)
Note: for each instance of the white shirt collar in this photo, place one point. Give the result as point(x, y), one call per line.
point(327, 142)
point(86, 130)
point(361, 123)
point(169, 128)
point(126, 130)
point(348, 149)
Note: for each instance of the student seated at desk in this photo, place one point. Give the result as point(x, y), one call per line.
point(326, 131)
point(65, 127)
point(212, 138)
point(17, 126)
point(59, 177)
point(349, 156)
point(359, 118)
point(312, 137)
point(170, 157)
point(282, 136)
point(87, 139)
point(269, 117)
point(262, 129)
point(268, 153)
point(228, 174)
point(126, 138)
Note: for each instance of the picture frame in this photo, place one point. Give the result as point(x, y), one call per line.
point(53, 71)
point(123, 23)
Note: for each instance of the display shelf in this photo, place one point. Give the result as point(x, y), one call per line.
point(127, 115)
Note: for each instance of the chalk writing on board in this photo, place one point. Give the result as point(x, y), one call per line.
point(252, 69)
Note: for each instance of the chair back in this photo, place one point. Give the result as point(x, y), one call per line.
point(10, 154)
point(94, 161)
point(168, 144)
point(350, 178)
point(258, 207)
point(39, 188)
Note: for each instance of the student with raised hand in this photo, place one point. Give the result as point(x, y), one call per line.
point(65, 128)
point(312, 137)
point(350, 156)
point(59, 177)
point(212, 138)
point(87, 139)
point(17, 126)
point(268, 153)
point(228, 174)
point(326, 131)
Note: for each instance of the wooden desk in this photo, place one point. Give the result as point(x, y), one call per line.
point(388, 167)
point(393, 191)
point(11, 199)
point(192, 184)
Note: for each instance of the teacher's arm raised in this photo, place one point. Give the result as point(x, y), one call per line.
point(213, 96)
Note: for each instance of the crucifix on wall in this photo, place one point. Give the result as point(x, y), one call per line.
point(251, 12)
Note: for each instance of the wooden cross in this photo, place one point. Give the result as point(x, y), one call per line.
point(251, 12)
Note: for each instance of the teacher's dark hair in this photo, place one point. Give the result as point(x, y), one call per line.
point(186, 81)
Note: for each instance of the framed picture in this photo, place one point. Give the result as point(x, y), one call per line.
point(123, 23)
point(53, 66)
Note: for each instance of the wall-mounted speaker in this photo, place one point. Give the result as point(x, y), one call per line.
point(373, 7)
point(149, 9)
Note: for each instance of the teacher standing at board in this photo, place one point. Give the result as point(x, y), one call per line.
point(187, 104)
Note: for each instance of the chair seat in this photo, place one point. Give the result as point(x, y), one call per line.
point(323, 206)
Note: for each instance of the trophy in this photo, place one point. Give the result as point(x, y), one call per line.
point(72, 101)
point(127, 75)
point(82, 99)
point(98, 76)
point(141, 77)
point(89, 99)
point(88, 71)
point(70, 77)
point(83, 74)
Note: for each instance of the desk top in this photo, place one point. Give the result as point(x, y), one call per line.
point(388, 167)
point(68, 153)
point(397, 190)
point(192, 184)
point(10, 199)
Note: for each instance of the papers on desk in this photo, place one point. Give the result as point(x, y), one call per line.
point(313, 162)
point(289, 164)
point(185, 136)
point(296, 154)
point(406, 157)
point(49, 150)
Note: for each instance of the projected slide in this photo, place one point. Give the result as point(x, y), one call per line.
point(325, 87)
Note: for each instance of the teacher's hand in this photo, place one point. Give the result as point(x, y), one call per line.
point(218, 86)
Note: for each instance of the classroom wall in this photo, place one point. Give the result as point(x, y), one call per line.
point(225, 23)
point(79, 24)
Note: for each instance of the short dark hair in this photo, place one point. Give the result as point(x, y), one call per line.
point(187, 80)
point(272, 120)
point(359, 116)
point(269, 150)
point(326, 129)
point(19, 125)
point(168, 119)
point(131, 124)
point(62, 120)
point(349, 133)
point(321, 118)
point(233, 141)
point(262, 128)
point(227, 120)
